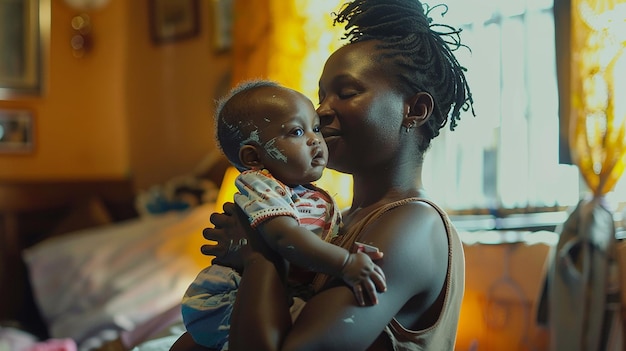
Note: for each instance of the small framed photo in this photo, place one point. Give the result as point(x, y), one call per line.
point(16, 131)
point(23, 34)
point(223, 24)
point(173, 20)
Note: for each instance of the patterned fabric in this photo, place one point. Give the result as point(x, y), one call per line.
point(261, 197)
point(208, 304)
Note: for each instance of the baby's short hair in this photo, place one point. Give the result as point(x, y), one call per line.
point(232, 114)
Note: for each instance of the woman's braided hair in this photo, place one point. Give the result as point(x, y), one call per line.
point(421, 52)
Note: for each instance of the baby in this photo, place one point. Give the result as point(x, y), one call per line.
point(272, 135)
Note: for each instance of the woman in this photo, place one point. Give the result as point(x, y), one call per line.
point(383, 98)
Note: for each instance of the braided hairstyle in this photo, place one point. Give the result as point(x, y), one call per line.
point(420, 53)
point(233, 114)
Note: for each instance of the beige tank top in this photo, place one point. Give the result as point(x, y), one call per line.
point(442, 334)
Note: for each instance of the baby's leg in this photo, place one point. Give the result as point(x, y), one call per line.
point(208, 303)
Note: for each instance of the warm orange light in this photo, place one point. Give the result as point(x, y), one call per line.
point(471, 328)
point(291, 41)
point(338, 185)
point(227, 189)
point(598, 139)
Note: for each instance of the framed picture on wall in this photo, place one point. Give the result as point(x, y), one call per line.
point(16, 131)
point(173, 20)
point(22, 37)
point(222, 24)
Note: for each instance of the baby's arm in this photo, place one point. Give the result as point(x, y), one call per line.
point(303, 248)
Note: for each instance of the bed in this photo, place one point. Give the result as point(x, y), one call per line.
point(95, 263)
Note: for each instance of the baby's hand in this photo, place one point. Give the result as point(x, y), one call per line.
point(364, 276)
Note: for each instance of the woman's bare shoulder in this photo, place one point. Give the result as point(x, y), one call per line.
point(409, 221)
point(414, 242)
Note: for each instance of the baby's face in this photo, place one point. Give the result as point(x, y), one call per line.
point(286, 129)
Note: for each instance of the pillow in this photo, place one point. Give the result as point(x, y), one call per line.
point(115, 277)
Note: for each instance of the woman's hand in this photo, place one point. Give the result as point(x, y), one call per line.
point(236, 242)
point(230, 234)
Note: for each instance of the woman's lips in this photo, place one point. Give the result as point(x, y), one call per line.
point(331, 141)
point(331, 135)
point(330, 132)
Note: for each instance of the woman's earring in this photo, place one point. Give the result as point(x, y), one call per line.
point(409, 126)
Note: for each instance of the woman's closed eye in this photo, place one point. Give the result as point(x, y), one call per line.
point(342, 94)
point(347, 93)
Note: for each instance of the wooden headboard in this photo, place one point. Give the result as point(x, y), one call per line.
point(31, 211)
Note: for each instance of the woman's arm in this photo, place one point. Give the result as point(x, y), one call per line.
point(415, 266)
point(264, 300)
point(265, 273)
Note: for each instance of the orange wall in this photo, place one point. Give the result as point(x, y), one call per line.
point(170, 107)
point(128, 108)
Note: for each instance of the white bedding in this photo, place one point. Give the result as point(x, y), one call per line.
point(92, 284)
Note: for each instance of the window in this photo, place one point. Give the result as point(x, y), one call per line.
point(506, 157)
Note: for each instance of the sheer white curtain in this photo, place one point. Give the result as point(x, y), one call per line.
point(507, 156)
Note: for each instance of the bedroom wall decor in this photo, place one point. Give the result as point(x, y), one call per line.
point(82, 37)
point(24, 26)
point(87, 5)
point(81, 41)
point(173, 20)
point(222, 24)
point(16, 131)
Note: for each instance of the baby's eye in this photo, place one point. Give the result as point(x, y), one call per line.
point(317, 129)
point(297, 132)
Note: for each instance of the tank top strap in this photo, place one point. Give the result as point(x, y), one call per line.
point(352, 235)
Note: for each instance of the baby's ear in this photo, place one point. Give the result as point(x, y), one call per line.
point(249, 157)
